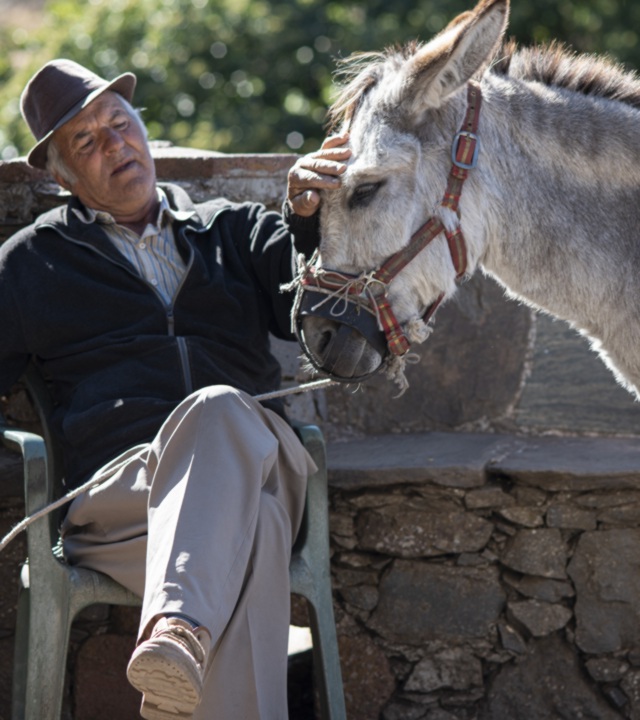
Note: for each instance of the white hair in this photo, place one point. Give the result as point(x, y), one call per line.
point(56, 164)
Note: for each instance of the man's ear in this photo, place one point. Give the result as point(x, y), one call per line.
point(61, 181)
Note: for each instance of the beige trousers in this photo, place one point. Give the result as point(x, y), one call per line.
point(201, 522)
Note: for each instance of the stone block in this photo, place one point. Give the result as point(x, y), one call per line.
point(421, 602)
point(538, 588)
point(488, 497)
point(630, 685)
point(539, 618)
point(604, 500)
point(606, 669)
point(402, 532)
point(569, 517)
point(546, 682)
point(366, 675)
point(606, 575)
point(511, 639)
point(626, 515)
point(530, 517)
point(452, 668)
point(364, 597)
point(541, 551)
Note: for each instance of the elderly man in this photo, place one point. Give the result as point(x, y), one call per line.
point(150, 316)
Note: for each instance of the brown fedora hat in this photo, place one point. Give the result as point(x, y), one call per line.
point(56, 93)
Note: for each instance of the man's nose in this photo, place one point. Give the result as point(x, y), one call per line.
point(111, 140)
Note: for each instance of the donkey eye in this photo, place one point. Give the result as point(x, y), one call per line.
point(364, 194)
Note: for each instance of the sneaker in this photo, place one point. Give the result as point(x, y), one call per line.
point(168, 669)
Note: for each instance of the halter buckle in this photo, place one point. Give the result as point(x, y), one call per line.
point(473, 142)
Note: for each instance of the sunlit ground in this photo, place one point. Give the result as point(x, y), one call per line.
point(299, 639)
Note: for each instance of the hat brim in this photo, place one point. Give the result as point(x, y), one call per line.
point(124, 85)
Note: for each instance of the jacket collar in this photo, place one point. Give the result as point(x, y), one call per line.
point(164, 215)
point(65, 218)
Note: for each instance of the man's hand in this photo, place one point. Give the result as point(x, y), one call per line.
point(320, 170)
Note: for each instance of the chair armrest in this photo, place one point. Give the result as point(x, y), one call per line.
point(42, 534)
point(315, 524)
point(34, 455)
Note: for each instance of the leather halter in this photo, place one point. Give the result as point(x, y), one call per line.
point(369, 290)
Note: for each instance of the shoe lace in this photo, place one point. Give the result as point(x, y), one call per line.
point(189, 639)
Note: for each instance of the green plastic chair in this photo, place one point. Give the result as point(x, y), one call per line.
point(52, 593)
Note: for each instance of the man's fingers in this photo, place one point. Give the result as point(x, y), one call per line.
point(305, 204)
point(332, 149)
point(317, 171)
point(335, 141)
point(309, 168)
point(320, 176)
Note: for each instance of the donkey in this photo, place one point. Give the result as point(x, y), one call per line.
point(523, 162)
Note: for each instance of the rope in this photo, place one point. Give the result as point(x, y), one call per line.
point(342, 287)
point(95, 481)
point(23, 524)
point(305, 387)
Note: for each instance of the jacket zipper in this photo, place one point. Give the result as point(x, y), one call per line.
point(183, 351)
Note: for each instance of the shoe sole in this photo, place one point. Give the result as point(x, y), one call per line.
point(170, 691)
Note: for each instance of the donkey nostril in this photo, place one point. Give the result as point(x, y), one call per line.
point(324, 341)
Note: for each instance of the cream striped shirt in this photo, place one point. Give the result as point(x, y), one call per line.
point(153, 254)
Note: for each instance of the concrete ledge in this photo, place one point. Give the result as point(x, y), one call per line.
point(576, 464)
point(466, 460)
point(448, 459)
point(176, 163)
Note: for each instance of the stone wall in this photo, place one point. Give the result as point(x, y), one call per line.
point(491, 576)
point(485, 524)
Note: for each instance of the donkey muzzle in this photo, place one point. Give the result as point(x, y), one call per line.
point(340, 337)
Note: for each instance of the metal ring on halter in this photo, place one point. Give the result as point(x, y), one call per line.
point(354, 317)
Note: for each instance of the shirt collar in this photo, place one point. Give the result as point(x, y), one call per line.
point(165, 213)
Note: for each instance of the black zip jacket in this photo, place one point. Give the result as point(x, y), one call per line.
point(118, 359)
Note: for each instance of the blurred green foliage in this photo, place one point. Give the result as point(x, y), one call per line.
point(256, 75)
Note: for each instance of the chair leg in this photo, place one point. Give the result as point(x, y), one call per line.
point(20, 657)
point(49, 630)
point(311, 578)
point(326, 659)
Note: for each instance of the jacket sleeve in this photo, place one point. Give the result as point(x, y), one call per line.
point(14, 355)
point(273, 258)
point(305, 230)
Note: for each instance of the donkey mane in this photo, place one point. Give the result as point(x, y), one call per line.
point(358, 74)
point(552, 64)
point(555, 65)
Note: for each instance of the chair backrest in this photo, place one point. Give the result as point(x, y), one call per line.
point(40, 395)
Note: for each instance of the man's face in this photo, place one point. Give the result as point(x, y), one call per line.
point(105, 147)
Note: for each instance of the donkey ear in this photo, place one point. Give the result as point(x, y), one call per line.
point(446, 63)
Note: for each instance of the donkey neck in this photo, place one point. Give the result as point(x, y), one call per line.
point(563, 172)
